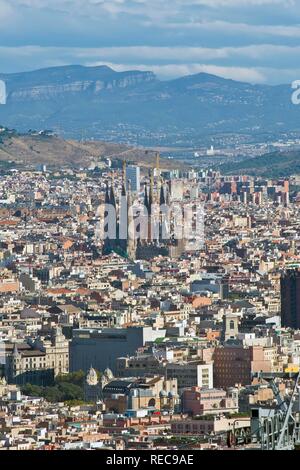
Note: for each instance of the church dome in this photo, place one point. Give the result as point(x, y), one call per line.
point(92, 378)
point(108, 373)
point(3, 381)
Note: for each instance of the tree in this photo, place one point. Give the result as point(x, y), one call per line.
point(70, 391)
point(53, 394)
point(76, 378)
point(66, 387)
point(32, 390)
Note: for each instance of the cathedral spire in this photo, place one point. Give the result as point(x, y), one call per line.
point(158, 164)
point(162, 199)
point(131, 243)
point(107, 200)
point(151, 191)
point(109, 221)
point(170, 189)
point(15, 351)
point(158, 177)
point(146, 200)
point(123, 192)
point(112, 191)
point(122, 226)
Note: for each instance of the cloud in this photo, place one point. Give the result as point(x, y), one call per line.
point(170, 37)
point(126, 4)
point(6, 10)
point(256, 54)
point(154, 9)
point(290, 31)
point(169, 71)
point(240, 3)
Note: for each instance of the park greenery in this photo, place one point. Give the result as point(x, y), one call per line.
point(65, 388)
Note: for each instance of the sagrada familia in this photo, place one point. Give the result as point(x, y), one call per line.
point(136, 229)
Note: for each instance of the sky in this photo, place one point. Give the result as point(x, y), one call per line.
point(256, 41)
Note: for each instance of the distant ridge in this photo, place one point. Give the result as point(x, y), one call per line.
point(34, 148)
point(120, 105)
point(272, 165)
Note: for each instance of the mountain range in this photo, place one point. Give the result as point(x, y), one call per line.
point(136, 107)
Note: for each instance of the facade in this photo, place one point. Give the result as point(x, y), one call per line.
point(56, 348)
point(30, 283)
point(290, 299)
point(197, 401)
point(209, 426)
point(133, 177)
point(132, 394)
point(230, 327)
point(8, 285)
point(236, 364)
point(191, 374)
point(37, 362)
point(208, 283)
point(101, 347)
point(118, 218)
point(27, 366)
point(138, 366)
point(143, 234)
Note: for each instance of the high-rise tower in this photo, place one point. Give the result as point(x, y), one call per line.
point(290, 299)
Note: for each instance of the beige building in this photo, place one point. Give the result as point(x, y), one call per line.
point(208, 425)
point(149, 393)
point(56, 348)
point(8, 284)
point(38, 362)
point(191, 374)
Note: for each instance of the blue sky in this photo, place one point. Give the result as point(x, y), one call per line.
point(249, 40)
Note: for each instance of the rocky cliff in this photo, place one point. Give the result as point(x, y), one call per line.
point(63, 81)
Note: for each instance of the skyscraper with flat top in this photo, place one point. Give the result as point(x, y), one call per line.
point(290, 299)
point(133, 176)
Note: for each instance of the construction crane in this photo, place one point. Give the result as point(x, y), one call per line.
point(290, 432)
point(280, 430)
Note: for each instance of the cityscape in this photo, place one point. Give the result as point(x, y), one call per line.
point(147, 342)
point(149, 229)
